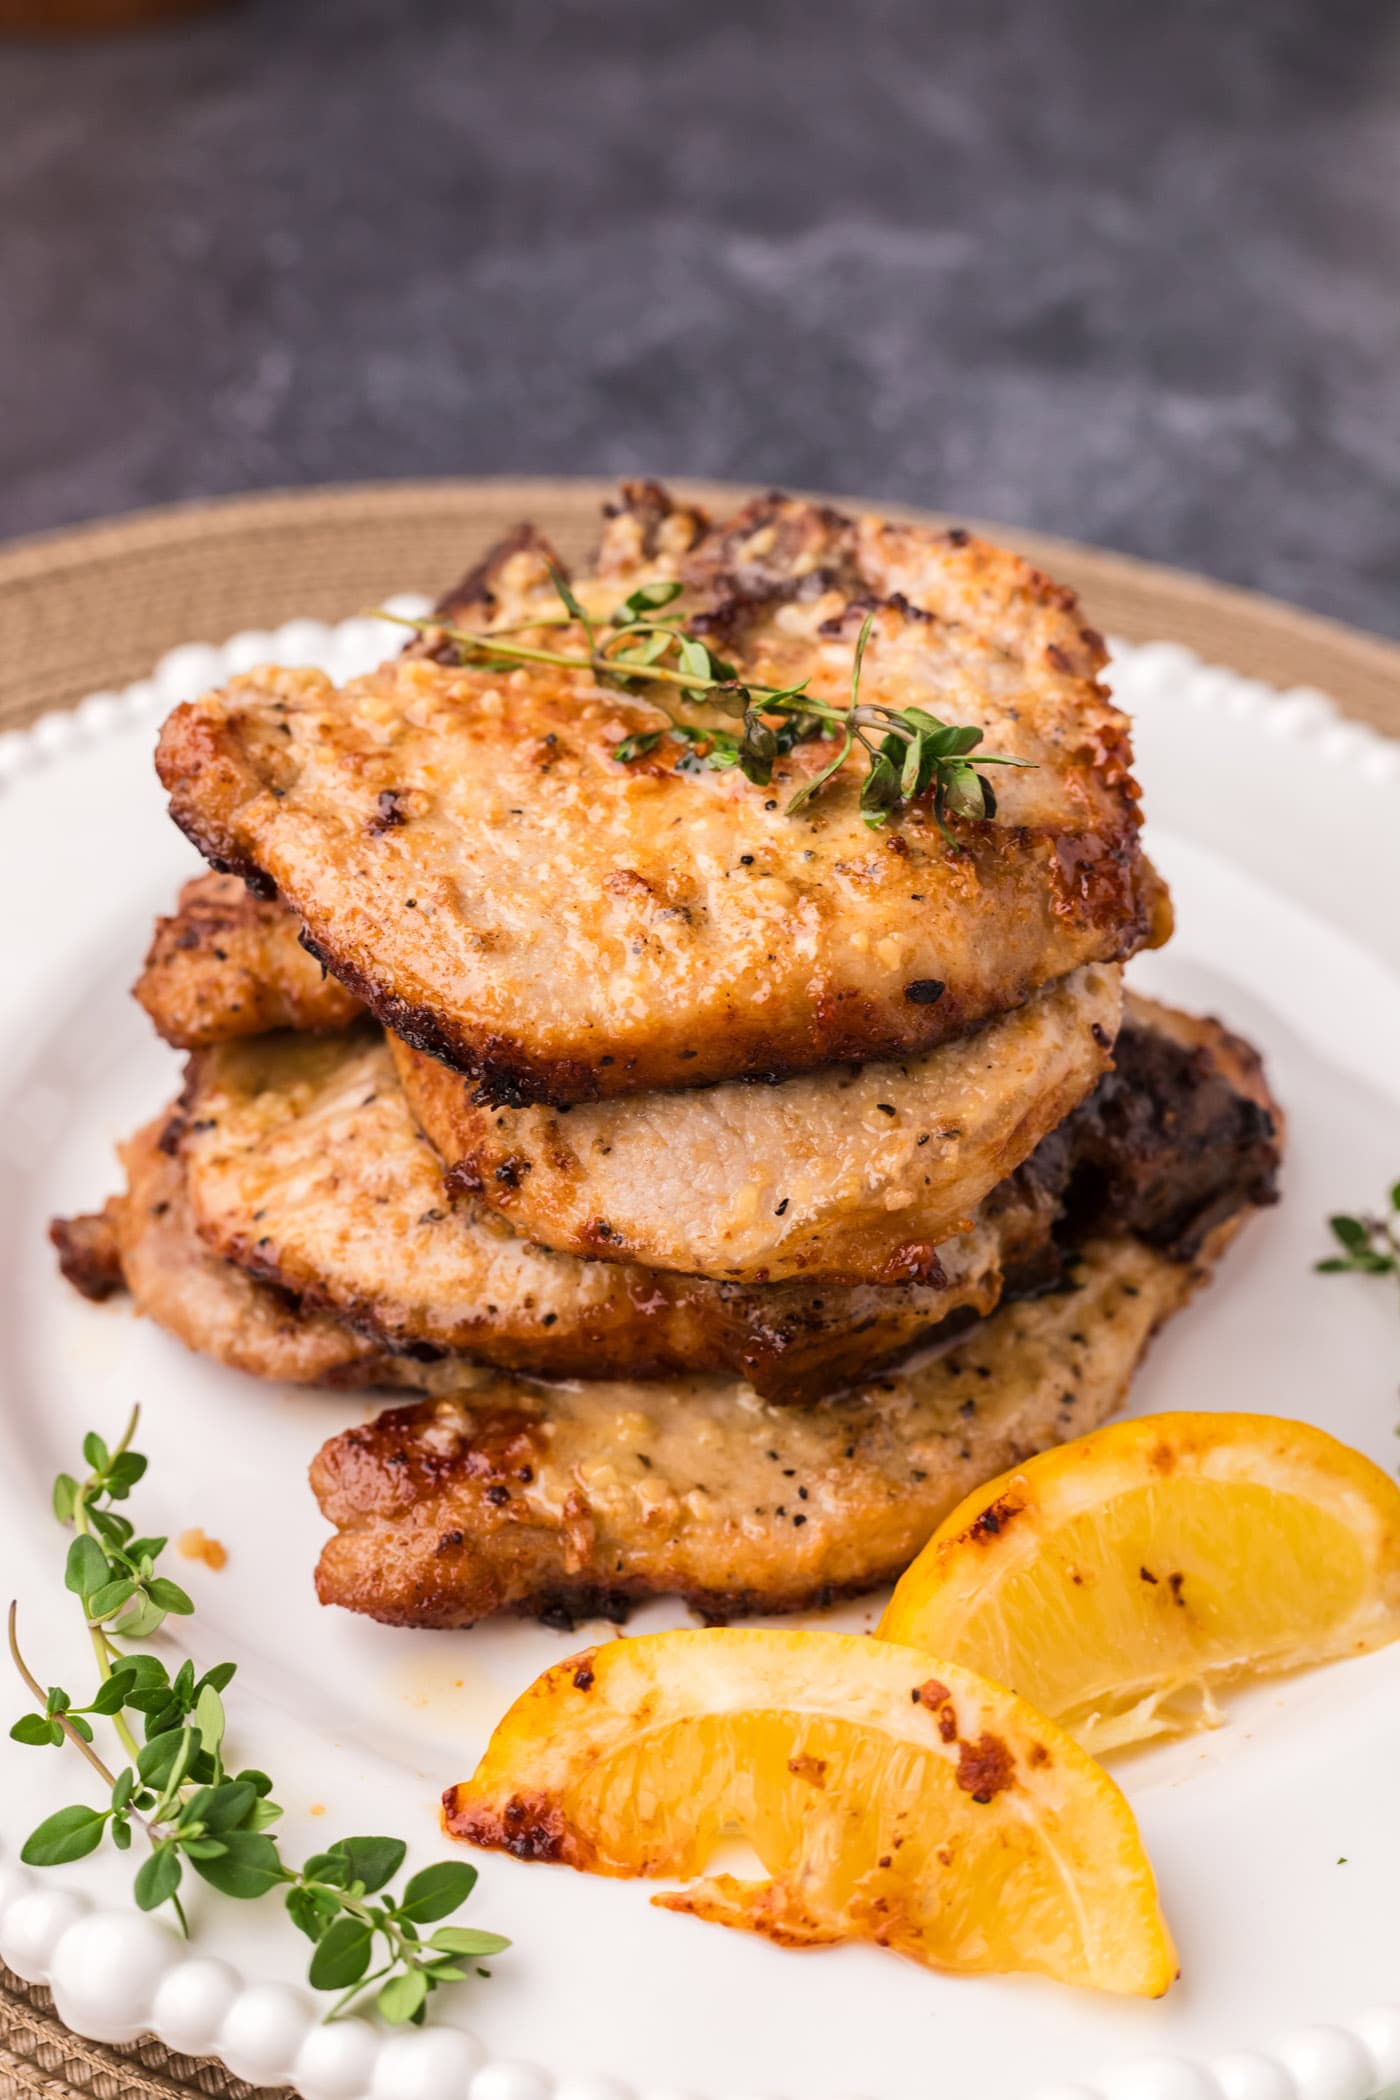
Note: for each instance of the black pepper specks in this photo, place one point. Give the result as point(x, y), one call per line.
point(387, 813)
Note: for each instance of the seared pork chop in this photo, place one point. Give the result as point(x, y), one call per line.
point(299, 1168)
point(146, 1241)
point(229, 964)
point(584, 1498)
point(1180, 1136)
point(853, 1174)
point(304, 1167)
point(467, 854)
point(581, 1499)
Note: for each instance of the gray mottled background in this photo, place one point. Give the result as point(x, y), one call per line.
point(1122, 272)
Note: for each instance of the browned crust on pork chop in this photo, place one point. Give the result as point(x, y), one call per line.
point(466, 855)
point(1182, 1134)
point(304, 1166)
point(211, 1306)
point(556, 1502)
point(516, 564)
point(89, 1251)
point(297, 1164)
point(854, 1174)
point(229, 964)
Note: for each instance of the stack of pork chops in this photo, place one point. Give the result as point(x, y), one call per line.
point(735, 1186)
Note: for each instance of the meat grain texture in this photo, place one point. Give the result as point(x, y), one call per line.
point(855, 1173)
point(213, 1307)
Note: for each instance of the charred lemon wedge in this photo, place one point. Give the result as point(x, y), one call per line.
point(890, 1797)
point(1119, 1581)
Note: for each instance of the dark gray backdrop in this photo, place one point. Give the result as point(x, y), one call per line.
point(1124, 272)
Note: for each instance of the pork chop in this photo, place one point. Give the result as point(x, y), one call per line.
point(853, 1174)
point(230, 964)
point(580, 1500)
point(300, 1169)
point(145, 1241)
point(304, 1167)
point(468, 855)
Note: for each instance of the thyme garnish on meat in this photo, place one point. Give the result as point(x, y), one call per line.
point(642, 649)
point(176, 1789)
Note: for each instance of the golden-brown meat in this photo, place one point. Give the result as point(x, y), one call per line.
point(518, 1497)
point(300, 1166)
point(853, 1174)
point(303, 1166)
point(231, 964)
point(582, 1499)
point(467, 855)
point(212, 1307)
point(89, 1251)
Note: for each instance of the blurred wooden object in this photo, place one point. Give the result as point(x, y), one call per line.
point(86, 17)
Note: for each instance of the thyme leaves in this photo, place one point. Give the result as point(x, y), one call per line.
point(645, 650)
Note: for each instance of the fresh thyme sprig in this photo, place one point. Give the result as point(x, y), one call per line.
point(1370, 1245)
point(178, 1792)
point(641, 649)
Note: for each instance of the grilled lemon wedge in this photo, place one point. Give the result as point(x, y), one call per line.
point(890, 1797)
point(1118, 1581)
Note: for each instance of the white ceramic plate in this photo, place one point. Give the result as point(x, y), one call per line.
point(1277, 1839)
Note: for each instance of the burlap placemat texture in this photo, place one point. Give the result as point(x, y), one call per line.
point(92, 609)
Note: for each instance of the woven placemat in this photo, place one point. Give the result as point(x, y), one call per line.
point(93, 609)
point(38, 2055)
